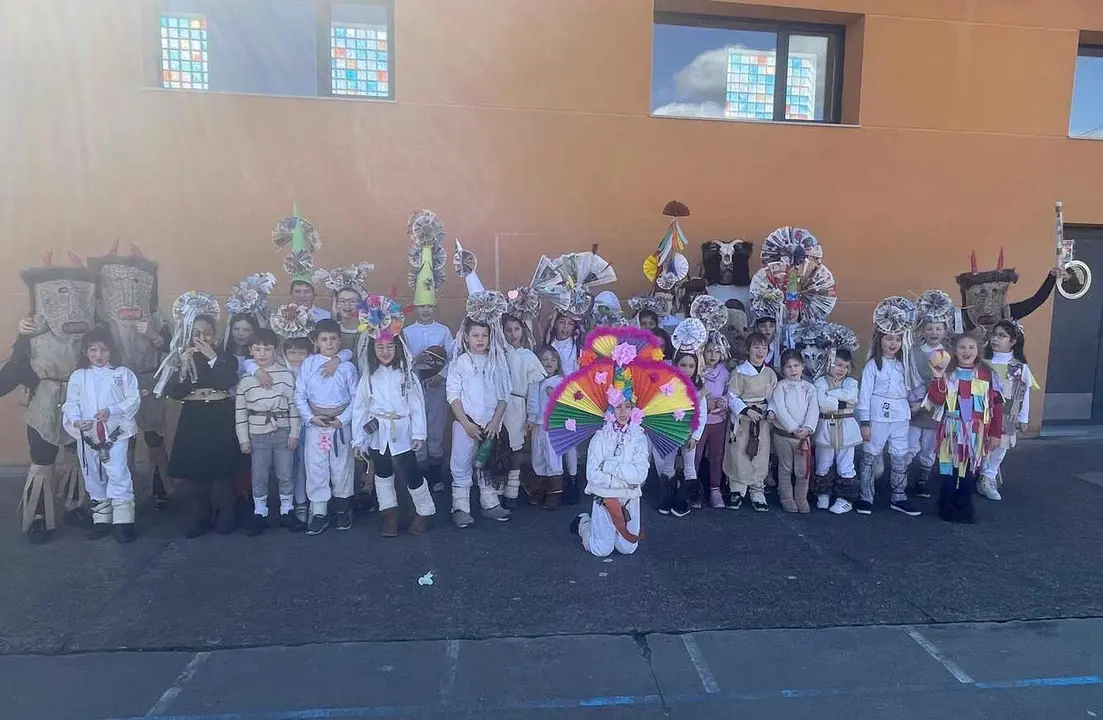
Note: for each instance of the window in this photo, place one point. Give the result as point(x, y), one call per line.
point(1086, 118)
point(733, 69)
point(303, 48)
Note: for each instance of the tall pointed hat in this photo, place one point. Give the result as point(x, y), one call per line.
point(427, 256)
point(299, 237)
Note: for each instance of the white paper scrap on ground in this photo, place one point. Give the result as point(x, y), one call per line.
point(426, 579)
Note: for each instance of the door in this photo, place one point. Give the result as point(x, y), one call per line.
point(1074, 379)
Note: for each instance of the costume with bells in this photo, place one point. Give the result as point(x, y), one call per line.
point(205, 452)
point(620, 365)
point(127, 291)
point(932, 306)
point(883, 404)
point(478, 387)
point(62, 310)
point(430, 344)
point(569, 282)
point(388, 416)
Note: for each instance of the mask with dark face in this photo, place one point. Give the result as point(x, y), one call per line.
point(984, 294)
point(63, 299)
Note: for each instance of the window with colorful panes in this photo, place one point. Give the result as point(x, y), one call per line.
point(184, 63)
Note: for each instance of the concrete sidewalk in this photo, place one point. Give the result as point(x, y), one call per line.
point(1013, 670)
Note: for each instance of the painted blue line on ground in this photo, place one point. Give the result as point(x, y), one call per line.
point(632, 700)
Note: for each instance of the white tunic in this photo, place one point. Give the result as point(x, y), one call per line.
point(420, 336)
point(829, 401)
point(92, 389)
point(471, 381)
point(617, 463)
point(568, 355)
point(795, 405)
point(524, 370)
point(401, 415)
point(883, 393)
point(335, 391)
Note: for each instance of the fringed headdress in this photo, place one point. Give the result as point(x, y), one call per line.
point(185, 310)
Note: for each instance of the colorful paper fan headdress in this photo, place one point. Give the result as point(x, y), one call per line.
point(667, 266)
point(301, 240)
point(623, 364)
point(427, 256)
point(381, 318)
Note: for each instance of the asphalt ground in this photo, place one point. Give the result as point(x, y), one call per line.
point(791, 615)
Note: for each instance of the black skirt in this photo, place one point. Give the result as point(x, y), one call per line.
point(205, 445)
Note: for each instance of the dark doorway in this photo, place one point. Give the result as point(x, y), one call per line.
point(1074, 380)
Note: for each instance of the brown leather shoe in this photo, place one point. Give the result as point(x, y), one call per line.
point(419, 525)
point(390, 522)
point(554, 487)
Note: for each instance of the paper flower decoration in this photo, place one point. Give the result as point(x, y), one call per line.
point(292, 321)
point(624, 354)
point(570, 425)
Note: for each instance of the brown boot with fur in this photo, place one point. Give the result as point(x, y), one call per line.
point(554, 486)
point(419, 525)
point(390, 522)
point(536, 488)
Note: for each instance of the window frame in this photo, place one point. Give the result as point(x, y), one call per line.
point(1092, 50)
point(324, 63)
point(783, 30)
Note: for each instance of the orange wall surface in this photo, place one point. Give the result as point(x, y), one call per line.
point(544, 140)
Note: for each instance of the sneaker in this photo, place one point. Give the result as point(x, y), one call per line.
point(344, 520)
point(735, 502)
point(573, 528)
point(99, 530)
point(317, 524)
point(758, 502)
point(664, 510)
point(497, 512)
point(256, 525)
point(905, 506)
point(987, 488)
point(292, 522)
point(124, 533)
point(716, 500)
point(679, 510)
point(462, 519)
point(841, 507)
point(863, 507)
point(823, 501)
point(921, 490)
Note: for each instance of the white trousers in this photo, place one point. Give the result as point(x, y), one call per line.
point(545, 461)
point(600, 536)
point(841, 458)
point(894, 434)
point(991, 467)
point(110, 481)
point(436, 419)
point(329, 466)
point(665, 465)
point(921, 445)
point(462, 465)
point(570, 461)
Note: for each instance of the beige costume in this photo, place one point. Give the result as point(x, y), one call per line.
point(747, 458)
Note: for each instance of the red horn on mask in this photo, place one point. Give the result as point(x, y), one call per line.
point(48, 259)
point(973, 263)
point(135, 251)
point(114, 247)
point(999, 261)
point(75, 259)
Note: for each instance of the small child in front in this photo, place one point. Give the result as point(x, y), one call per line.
point(747, 459)
point(837, 434)
point(796, 412)
point(325, 403)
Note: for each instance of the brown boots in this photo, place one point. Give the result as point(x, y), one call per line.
point(390, 522)
point(553, 487)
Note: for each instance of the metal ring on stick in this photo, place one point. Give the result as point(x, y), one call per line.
point(1081, 272)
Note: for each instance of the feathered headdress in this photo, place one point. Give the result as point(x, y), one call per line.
point(667, 266)
point(937, 306)
point(427, 256)
point(300, 239)
point(623, 365)
point(292, 320)
point(185, 310)
point(713, 314)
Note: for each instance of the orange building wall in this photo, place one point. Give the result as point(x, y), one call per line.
point(545, 141)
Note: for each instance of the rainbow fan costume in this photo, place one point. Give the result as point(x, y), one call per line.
point(618, 365)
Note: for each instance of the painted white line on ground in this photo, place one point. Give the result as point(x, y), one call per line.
point(451, 665)
point(951, 667)
point(699, 662)
point(182, 679)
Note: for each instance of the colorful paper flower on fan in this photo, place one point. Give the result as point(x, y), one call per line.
point(600, 378)
point(615, 396)
point(624, 354)
point(571, 425)
point(636, 416)
point(667, 389)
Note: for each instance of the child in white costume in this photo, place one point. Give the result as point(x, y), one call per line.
point(325, 406)
point(524, 370)
point(478, 386)
point(936, 315)
point(388, 415)
point(837, 435)
point(883, 409)
point(689, 339)
point(796, 413)
point(547, 465)
point(101, 403)
point(1006, 356)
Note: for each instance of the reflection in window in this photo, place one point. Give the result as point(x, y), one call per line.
point(1086, 117)
point(184, 52)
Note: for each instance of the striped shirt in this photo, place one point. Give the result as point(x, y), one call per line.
point(264, 410)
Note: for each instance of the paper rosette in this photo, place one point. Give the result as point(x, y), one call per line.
point(791, 245)
point(194, 303)
point(894, 315)
point(935, 306)
point(381, 317)
point(690, 336)
point(284, 235)
point(250, 296)
point(292, 321)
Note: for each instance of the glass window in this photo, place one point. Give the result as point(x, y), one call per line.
point(730, 69)
point(1086, 118)
point(184, 52)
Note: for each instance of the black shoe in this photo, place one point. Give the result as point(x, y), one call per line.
point(37, 532)
point(760, 505)
point(575, 523)
point(317, 524)
point(570, 490)
point(921, 490)
point(255, 525)
point(124, 533)
point(344, 520)
point(680, 509)
point(99, 531)
point(863, 507)
point(906, 506)
point(735, 502)
point(292, 522)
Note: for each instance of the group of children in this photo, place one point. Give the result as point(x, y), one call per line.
point(316, 401)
